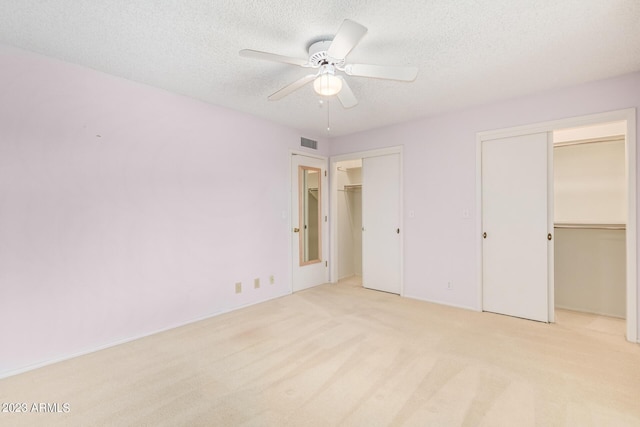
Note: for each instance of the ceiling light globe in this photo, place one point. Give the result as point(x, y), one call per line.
point(327, 84)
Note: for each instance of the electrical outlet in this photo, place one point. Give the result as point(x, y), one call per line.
point(256, 283)
point(449, 285)
point(238, 287)
point(272, 279)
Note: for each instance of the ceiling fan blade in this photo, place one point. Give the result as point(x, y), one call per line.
point(406, 74)
point(346, 96)
point(347, 37)
point(292, 87)
point(256, 54)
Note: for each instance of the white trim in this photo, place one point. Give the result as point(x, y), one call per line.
point(632, 221)
point(401, 225)
point(333, 202)
point(333, 215)
point(551, 290)
point(293, 152)
point(628, 115)
point(479, 227)
point(396, 149)
point(610, 116)
point(38, 365)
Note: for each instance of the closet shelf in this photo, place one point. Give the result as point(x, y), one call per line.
point(353, 187)
point(591, 226)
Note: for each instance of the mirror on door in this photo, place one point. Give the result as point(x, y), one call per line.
point(310, 214)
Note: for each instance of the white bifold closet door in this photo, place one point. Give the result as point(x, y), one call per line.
point(517, 225)
point(381, 223)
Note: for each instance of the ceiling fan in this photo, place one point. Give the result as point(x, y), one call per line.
point(328, 56)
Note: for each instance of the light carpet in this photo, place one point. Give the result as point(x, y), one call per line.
point(343, 355)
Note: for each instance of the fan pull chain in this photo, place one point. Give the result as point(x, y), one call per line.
point(328, 117)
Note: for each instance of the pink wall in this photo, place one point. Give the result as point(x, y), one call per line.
point(144, 227)
point(440, 178)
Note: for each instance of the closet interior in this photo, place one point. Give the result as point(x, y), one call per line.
point(590, 214)
point(349, 180)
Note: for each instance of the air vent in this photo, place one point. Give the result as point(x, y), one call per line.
point(309, 143)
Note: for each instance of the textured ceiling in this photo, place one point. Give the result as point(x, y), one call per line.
point(469, 52)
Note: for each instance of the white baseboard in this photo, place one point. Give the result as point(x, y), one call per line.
point(126, 340)
point(464, 307)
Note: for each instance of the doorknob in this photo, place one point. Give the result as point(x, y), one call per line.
point(484, 235)
point(549, 237)
point(296, 230)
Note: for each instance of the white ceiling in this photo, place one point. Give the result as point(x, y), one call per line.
point(469, 52)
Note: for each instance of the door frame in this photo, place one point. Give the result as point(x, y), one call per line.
point(628, 115)
point(333, 205)
point(325, 233)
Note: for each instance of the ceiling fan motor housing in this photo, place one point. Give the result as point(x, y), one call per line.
point(318, 54)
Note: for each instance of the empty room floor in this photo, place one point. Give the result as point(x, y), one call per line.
point(345, 355)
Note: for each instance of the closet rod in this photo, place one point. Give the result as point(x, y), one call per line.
point(353, 186)
point(592, 226)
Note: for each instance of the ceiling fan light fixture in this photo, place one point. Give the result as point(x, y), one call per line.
point(327, 84)
point(328, 55)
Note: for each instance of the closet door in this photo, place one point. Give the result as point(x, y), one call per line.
point(517, 253)
point(381, 260)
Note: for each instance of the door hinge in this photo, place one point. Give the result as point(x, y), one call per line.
point(325, 173)
point(326, 263)
point(325, 218)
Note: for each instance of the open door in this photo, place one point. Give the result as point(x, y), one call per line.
point(517, 226)
point(381, 269)
point(308, 220)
